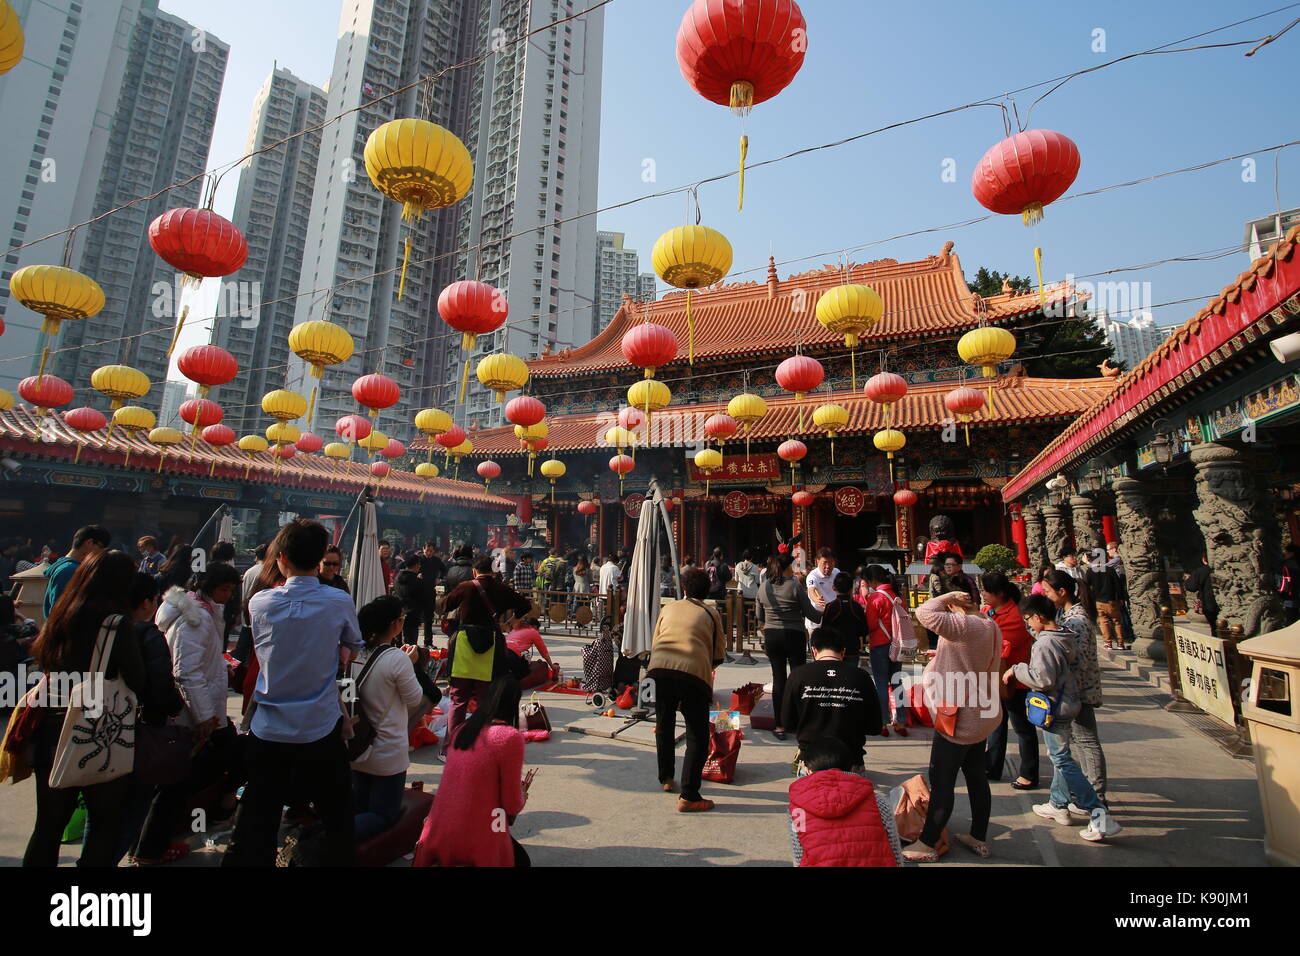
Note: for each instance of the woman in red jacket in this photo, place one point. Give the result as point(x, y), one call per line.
point(1002, 603)
point(836, 817)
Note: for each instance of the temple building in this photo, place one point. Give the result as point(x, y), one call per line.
point(1193, 455)
point(741, 332)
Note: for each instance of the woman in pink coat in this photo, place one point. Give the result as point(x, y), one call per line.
point(482, 790)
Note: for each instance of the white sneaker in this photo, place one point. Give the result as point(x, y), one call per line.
point(1100, 828)
point(1056, 814)
point(767, 688)
point(1079, 811)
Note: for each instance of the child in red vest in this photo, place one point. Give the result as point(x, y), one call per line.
point(836, 817)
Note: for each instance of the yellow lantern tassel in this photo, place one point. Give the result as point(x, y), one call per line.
point(1038, 264)
point(401, 283)
point(993, 402)
point(45, 357)
point(464, 381)
point(853, 368)
point(966, 425)
point(77, 457)
point(744, 151)
point(248, 467)
point(176, 336)
point(690, 332)
point(746, 444)
point(213, 469)
point(832, 449)
point(162, 456)
point(311, 405)
point(552, 491)
point(706, 486)
point(891, 467)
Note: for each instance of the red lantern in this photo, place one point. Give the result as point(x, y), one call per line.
point(472, 309)
point(631, 418)
point(1025, 172)
point(905, 497)
point(524, 411)
point(380, 469)
point(375, 391)
point(218, 436)
point(621, 465)
point(84, 420)
point(720, 427)
point(741, 52)
point(587, 507)
point(800, 374)
point(650, 346)
point(487, 470)
point(198, 242)
point(668, 504)
point(44, 392)
point(452, 437)
point(208, 365)
point(394, 449)
point(792, 451)
point(284, 452)
point(964, 402)
point(309, 443)
point(886, 388)
point(200, 411)
point(803, 498)
point(353, 428)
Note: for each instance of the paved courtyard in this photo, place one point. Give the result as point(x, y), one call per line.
point(1181, 799)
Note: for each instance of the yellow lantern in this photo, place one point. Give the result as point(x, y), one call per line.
point(11, 37)
point(502, 373)
point(320, 344)
point(650, 395)
point(422, 166)
point(831, 418)
point(527, 435)
point(889, 440)
point(164, 438)
point(282, 433)
point(691, 257)
point(57, 293)
point(132, 419)
point(284, 405)
point(851, 311)
point(708, 461)
point(339, 452)
point(119, 383)
point(747, 408)
point(553, 469)
point(987, 347)
point(252, 445)
point(6, 400)
point(375, 442)
point(431, 422)
point(621, 438)
point(460, 451)
point(426, 469)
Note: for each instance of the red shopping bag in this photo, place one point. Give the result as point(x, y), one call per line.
point(745, 697)
point(918, 715)
point(724, 752)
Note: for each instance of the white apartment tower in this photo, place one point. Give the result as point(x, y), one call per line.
point(618, 273)
point(272, 209)
point(159, 133)
point(1133, 340)
point(529, 113)
point(57, 107)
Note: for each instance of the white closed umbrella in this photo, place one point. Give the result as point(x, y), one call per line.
point(365, 575)
point(642, 609)
point(226, 529)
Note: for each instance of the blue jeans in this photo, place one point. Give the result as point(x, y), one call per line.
point(1067, 778)
point(377, 802)
point(882, 669)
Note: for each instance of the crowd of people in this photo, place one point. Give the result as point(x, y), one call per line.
point(330, 692)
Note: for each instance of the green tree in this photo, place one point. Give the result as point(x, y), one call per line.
point(990, 282)
point(996, 557)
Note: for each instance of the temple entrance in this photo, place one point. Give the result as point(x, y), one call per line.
point(853, 535)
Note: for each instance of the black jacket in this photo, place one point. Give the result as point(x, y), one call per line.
point(831, 699)
point(160, 698)
point(409, 589)
point(460, 572)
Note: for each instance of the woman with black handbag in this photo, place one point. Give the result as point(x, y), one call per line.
point(98, 591)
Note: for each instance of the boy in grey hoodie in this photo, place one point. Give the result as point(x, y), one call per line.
point(1051, 671)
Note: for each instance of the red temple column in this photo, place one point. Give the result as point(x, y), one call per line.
point(1108, 529)
point(1019, 537)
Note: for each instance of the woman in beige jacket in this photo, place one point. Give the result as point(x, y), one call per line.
point(689, 642)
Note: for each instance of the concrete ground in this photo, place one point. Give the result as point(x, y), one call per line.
point(1181, 799)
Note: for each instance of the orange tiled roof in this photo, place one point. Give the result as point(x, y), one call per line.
point(21, 430)
point(749, 318)
point(1205, 339)
point(1018, 400)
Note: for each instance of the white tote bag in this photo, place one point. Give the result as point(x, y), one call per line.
point(97, 743)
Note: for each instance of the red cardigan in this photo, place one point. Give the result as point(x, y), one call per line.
point(837, 821)
point(1016, 639)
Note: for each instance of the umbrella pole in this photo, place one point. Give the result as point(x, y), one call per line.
point(214, 516)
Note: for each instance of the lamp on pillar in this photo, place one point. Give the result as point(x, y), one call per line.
point(1057, 488)
point(1162, 445)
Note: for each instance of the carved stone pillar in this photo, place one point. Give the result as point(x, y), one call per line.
point(1143, 567)
point(1034, 540)
point(1056, 531)
point(1087, 523)
point(1233, 516)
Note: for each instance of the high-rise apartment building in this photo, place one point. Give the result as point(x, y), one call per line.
point(1262, 233)
point(57, 106)
point(272, 209)
point(159, 133)
point(1133, 340)
point(618, 273)
point(528, 110)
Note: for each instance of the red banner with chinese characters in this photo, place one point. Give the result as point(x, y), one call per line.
point(849, 500)
point(736, 504)
point(759, 469)
point(632, 505)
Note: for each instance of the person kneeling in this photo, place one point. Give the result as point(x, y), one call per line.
point(836, 816)
point(831, 698)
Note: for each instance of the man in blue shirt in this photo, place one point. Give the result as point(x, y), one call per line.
point(303, 632)
point(86, 543)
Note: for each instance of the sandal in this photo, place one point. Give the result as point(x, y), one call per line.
point(668, 786)
point(978, 847)
point(920, 856)
point(175, 851)
point(900, 729)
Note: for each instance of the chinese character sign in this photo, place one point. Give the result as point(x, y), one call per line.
point(736, 504)
point(758, 470)
point(849, 500)
point(1204, 674)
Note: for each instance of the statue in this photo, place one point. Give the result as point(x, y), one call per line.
point(943, 537)
point(1107, 370)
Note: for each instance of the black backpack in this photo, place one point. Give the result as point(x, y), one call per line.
point(363, 731)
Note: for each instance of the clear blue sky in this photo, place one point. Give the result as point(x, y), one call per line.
point(872, 64)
